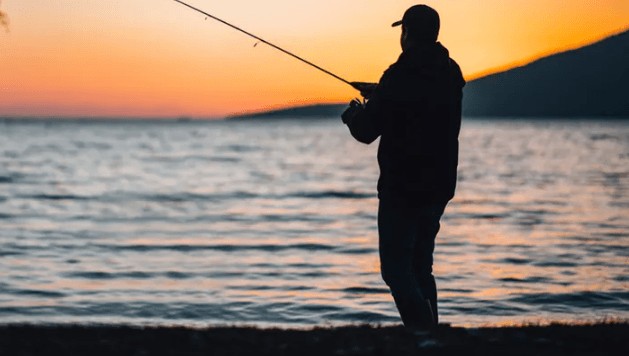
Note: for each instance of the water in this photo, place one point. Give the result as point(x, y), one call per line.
point(274, 223)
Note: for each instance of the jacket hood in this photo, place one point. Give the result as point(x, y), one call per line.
point(426, 55)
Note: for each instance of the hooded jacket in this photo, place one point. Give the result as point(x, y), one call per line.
point(416, 111)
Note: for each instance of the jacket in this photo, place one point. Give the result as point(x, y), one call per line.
point(416, 111)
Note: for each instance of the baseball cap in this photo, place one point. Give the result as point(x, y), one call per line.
point(421, 20)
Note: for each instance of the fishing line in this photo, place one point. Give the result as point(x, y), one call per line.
point(266, 42)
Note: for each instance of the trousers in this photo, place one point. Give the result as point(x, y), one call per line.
point(407, 233)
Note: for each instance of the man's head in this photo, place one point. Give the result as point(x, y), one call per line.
point(420, 24)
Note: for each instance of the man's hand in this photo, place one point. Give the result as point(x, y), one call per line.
point(366, 89)
point(355, 106)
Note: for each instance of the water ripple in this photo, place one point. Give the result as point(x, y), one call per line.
point(275, 224)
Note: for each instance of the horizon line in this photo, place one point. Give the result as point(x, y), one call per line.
point(287, 106)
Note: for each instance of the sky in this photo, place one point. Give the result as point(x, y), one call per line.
point(157, 58)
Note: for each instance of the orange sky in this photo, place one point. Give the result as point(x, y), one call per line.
point(156, 58)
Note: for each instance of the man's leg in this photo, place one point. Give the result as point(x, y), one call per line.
point(397, 230)
point(428, 217)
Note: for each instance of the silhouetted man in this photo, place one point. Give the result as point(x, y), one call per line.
point(416, 111)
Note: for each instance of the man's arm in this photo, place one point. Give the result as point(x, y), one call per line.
point(365, 120)
point(366, 89)
point(362, 121)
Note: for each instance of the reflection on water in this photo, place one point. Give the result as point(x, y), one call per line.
point(273, 223)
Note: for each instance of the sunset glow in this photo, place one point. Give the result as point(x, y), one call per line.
point(156, 58)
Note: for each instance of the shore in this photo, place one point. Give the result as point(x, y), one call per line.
point(595, 339)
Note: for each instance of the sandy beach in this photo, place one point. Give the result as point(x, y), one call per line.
point(595, 339)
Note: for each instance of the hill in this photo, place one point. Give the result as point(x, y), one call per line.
point(591, 81)
point(323, 111)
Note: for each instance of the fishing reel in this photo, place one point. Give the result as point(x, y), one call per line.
point(357, 104)
point(355, 107)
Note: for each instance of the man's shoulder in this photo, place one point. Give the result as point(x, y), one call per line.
point(393, 71)
point(389, 81)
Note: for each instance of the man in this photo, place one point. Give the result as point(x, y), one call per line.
point(416, 111)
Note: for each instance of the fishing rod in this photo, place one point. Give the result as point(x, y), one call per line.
point(355, 85)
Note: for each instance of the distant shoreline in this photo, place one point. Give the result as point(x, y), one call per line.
point(331, 111)
point(303, 111)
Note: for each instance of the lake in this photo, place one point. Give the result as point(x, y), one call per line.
point(273, 223)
